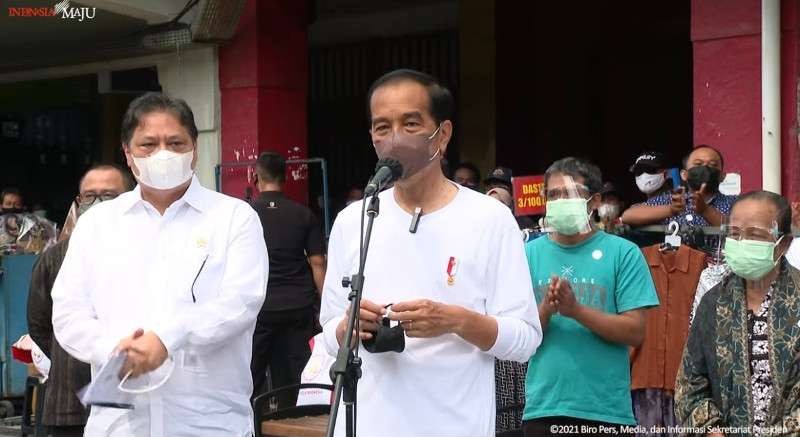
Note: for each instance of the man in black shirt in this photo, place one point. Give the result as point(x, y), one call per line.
point(296, 272)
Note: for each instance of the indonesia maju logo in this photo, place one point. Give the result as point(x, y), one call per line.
point(63, 10)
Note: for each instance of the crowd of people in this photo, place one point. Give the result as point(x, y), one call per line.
point(581, 330)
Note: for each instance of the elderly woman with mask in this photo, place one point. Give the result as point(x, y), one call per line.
point(741, 369)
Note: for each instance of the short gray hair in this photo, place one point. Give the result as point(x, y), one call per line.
point(577, 168)
point(784, 209)
point(156, 102)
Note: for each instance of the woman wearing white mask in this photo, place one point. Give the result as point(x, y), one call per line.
point(610, 209)
point(740, 364)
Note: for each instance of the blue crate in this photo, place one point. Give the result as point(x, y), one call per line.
point(15, 279)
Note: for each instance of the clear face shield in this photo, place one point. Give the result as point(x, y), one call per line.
point(568, 206)
point(69, 222)
point(752, 252)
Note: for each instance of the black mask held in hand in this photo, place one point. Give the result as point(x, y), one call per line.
point(703, 174)
point(386, 339)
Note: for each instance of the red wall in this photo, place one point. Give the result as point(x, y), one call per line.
point(790, 168)
point(726, 36)
point(263, 75)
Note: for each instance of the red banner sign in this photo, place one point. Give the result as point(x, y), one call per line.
point(528, 195)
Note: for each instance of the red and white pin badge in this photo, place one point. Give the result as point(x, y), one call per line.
point(452, 269)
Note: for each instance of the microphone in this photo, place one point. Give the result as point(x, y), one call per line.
point(387, 170)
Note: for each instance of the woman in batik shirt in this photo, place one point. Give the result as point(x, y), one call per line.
point(741, 369)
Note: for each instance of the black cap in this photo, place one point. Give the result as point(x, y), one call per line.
point(649, 161)
point(499, 174)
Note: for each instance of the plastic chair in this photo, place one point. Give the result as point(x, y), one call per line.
point(282, 404)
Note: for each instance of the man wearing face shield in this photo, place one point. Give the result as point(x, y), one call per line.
point(63, 413)
point(593, 289)
point(172, 275)
point(697, 203)
point(740, 362)
point(458, 286)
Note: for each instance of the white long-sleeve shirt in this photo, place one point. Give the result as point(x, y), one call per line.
point(129, 267)
point(440, 386)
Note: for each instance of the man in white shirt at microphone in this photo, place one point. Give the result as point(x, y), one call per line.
point(173, 275)
point(459, 285)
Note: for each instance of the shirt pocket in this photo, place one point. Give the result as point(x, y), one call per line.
point(203, 277)
point(195, 267)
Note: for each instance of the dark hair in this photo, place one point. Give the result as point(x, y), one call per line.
point(156, 102)
point(471, 167)
point(127, 178)
point(271, 167)
point(9, 191)
point(577, 168)
point(784, 217)
point(704, 146)
point(441, 101)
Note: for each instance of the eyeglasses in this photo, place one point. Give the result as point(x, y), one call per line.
point(572, 192)
point(90, 197)
point(754, 233)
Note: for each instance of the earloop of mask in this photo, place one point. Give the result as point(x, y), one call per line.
point(438, 150)
point(148, 389)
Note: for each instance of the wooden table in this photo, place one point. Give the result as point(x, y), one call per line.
point(300, 427)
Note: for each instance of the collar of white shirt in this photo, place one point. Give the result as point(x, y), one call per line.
point(195, 196)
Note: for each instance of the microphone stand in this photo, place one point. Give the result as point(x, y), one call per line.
point(347, 369)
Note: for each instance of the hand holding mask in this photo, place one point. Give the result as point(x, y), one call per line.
point(387, 338)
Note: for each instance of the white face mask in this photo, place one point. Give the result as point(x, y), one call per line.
point(137, 391)
point(649, 183)
point(608, 211)
point(164, 170)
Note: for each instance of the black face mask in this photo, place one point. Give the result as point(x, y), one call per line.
point(11, 211)
point(386, 339)
point(703, 174)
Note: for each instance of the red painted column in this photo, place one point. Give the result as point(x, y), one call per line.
point(726, 38)
point(263, 75)
point(790, 63)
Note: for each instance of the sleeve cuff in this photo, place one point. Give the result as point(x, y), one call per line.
point(172, 334)
point(329, 335)
point(511, 343)
point(102, 351)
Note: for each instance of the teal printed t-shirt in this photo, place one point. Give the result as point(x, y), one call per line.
point(575, 373)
